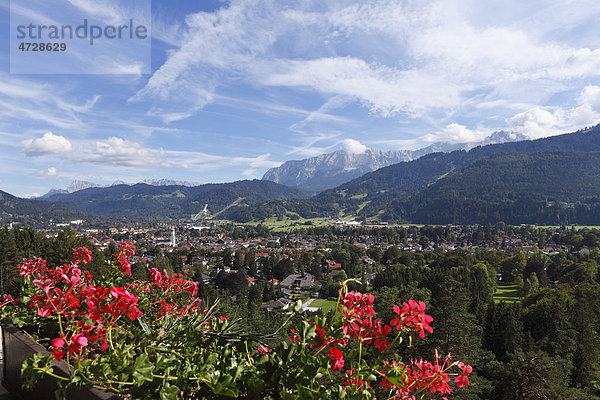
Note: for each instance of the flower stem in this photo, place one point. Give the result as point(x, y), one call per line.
point(110, 339)
point(60, 325)
point(395, 339)
point(360, 355)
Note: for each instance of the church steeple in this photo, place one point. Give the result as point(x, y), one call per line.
point(173, 240)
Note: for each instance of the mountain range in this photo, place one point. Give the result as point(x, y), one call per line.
point(432, 189)
point(171, 201)
point(329, 170)
point(78, 185)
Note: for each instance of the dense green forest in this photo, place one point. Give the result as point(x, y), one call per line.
point(546, 187)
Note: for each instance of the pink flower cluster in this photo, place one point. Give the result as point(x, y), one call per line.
point(67, 293)
point(125, 250)
point(412, 314)
point(359, 322)
point(419, 376)
point(82, 255)
point(175, 282)
point(76, 343)
point(323, 340)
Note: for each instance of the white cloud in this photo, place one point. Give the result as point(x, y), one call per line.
point(390, 56)
point(540, 122)
point(122, 67)
point(47, 144)
point(309, 147)
point(49, 173)
point(575, 63)
point(588, 110)
point(18, 90)
point(353, 146)
point(117, 151)
point(398, 144)
point(385, 91)
point(84, 108)
point(168, 117)
point(31, 14)
point(31, 195)
point(115, 12)
point(103, 10)
point(310, 151)
point(324, 114)
point(205, 162)
point(456, 133)
point(261, 161)
point(30, 100)
point(536, 122)
point(215, 46)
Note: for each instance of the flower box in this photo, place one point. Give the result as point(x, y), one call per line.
point(17, 347)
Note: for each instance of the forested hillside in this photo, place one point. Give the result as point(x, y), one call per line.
point(544, 187)
point(15, 209)
point(143, 200)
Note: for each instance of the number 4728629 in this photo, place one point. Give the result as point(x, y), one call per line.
point(42, 46)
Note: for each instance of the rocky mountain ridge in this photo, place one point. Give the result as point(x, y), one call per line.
point(78, 185)
point(329, 170)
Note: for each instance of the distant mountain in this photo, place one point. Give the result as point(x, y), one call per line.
point(73, 187)
point(174, 201)
point(78, 185)
point(404, 191)
point(168, 182)
point(53, 191)
point(329, 170)
point(15, 209)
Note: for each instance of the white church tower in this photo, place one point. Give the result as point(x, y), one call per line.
point(173, 242)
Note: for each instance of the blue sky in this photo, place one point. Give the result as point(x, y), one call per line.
point(238, 87)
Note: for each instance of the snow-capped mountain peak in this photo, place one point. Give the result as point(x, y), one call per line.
point(355, 159)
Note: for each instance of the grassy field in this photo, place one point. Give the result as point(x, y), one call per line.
point(577, 227)
point(290, 224)
point(325, 305)
point(506, 293)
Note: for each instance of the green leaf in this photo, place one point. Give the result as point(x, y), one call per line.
point(169, 392)
point(142, 370)
point(228, 392)
point(395, 378)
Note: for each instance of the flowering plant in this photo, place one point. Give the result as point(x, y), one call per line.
point(155, 338)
